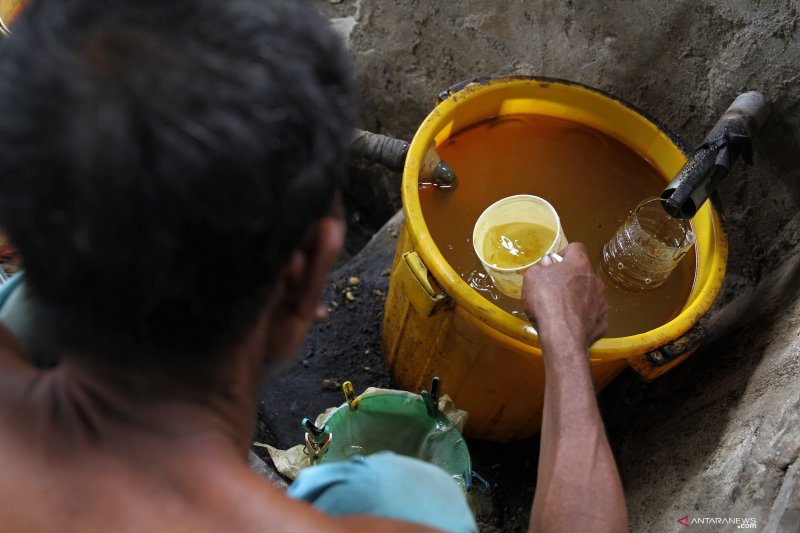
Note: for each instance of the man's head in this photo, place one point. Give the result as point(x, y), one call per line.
point(161, 162)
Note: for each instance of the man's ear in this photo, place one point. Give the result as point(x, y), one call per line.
point(300, 287)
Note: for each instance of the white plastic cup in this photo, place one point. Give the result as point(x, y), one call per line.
point(520, 208)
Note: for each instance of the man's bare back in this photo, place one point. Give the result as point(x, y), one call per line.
point(73, 462)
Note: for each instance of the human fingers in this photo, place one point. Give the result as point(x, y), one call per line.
point(574, 249)
point(577, 255)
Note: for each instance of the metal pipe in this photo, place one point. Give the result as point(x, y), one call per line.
point(387, 151)
point(391, 153)
point(730, 138)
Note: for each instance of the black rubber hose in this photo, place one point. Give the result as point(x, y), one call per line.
point(730, 138)
point(387, 151)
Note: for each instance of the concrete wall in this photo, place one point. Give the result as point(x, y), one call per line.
point(683, 62)
point(719, 437)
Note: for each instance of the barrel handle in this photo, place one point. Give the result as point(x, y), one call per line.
point(653, 364)
point(453, 89)
point(419, 286)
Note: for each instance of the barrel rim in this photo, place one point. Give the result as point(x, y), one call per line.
point(676, 139)
point(493, 316)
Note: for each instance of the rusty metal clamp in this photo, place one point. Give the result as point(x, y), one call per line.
point(318, 440)
point(675, 349)
point(315, 450)
point(431, 398)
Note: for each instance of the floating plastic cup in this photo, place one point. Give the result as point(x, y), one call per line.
point(514, 234)
point(643, 252)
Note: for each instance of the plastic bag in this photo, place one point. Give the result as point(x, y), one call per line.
point(386, 419)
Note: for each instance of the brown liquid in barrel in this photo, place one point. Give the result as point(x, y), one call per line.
point(591, 179)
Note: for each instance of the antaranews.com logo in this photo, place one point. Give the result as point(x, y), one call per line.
point(741, 523)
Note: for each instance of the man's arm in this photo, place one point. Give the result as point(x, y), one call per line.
point(578, 486)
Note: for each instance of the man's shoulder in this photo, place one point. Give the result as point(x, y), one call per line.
point(17, 377)
point(14, 361)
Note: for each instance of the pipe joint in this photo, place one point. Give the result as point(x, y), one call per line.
point(730, 138)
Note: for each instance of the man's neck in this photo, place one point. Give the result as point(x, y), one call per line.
point(130, 411)
point(102, 410)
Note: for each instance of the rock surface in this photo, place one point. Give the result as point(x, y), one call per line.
point(719, 436)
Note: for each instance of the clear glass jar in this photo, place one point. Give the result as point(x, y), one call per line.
point(643, 252)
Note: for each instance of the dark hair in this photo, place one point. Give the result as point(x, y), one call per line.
point(160, 160)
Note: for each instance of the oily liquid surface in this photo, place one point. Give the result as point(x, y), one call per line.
point(592, 181)
point(516, 244)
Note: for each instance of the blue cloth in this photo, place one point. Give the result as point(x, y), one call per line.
point(17, 314)
point(9, 288)
point(390, 486)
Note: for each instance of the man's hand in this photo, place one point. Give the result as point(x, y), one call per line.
point(578, 487)
point(566, 297)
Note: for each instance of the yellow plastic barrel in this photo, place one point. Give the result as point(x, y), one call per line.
point(10, 9)
point(490, 361)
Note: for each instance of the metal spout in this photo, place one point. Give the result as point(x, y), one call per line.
point(444, 176)
point(392, 153)
point(730, 138)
